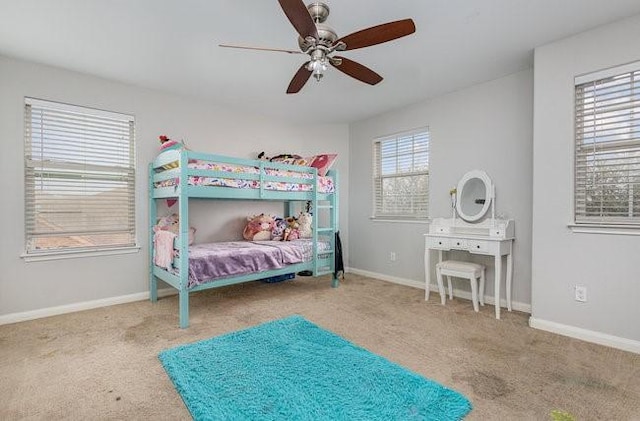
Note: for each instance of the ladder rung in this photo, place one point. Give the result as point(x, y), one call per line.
point(325, 229)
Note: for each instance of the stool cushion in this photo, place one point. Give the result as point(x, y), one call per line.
point(457, 269)
point(460, 266)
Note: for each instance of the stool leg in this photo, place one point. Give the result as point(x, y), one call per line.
point(481, 290)
point(450, 287)
point(474, 292)
point(440, 285)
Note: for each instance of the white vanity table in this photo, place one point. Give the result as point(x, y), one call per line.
point(493, 237)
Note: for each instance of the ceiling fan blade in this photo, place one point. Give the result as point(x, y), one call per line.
point(299, 79)
point(299, 17)
point(260, 49)
point(358, 71)
point(378, 34)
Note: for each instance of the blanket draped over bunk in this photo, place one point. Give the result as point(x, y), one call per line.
point(241, 257)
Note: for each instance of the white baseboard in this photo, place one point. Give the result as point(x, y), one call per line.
point(388, 278)
point(515, 305)
point(86, 305)
point(586, 335)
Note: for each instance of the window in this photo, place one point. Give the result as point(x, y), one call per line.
point(79, 179)
point(607, 149)
point(401, 175)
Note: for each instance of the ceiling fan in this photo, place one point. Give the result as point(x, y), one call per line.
point(320, 41)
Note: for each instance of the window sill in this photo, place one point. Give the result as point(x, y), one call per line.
point(73, 254)
point(605, 229)
point(399, 220)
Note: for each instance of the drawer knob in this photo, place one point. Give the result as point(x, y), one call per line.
point(478, 246)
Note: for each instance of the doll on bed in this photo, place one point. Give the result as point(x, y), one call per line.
point(291, 232)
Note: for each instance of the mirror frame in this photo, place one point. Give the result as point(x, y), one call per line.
point(488, 197)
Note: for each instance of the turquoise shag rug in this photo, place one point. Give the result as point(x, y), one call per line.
point(291, 369)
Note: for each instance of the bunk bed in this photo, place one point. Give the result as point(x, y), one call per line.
point(180, 174)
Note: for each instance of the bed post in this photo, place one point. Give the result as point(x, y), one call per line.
point(184, 307)
point(153, 281)
point(183, 203)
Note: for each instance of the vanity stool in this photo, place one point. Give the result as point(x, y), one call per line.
point(467, 270)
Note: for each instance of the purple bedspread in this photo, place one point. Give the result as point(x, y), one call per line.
point(212, 261)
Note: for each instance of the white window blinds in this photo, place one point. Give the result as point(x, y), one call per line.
point(401, 175)
point(79, 178)
point(607, 149)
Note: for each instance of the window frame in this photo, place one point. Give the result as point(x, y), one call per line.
point(583, 223)
point(413, 217)
point(32, 165)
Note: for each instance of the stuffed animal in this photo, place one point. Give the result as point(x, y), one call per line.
point(277, 233)
point(166, 144)
point(291, 231)
point(259, 227)
point(304, 220)
point(172, 223)
point(289, 159)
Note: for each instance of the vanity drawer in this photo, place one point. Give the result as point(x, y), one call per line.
point(459, 244)
point(478, 246)
point(438, 243)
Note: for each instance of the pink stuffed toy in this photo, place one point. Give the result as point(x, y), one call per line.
point(258, 227)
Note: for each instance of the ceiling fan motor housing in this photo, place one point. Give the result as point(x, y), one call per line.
point(326, 37)
point(326, 34)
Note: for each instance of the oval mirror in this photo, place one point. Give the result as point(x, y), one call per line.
point(474, 192)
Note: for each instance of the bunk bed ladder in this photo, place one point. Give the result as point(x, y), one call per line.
point(329, 230)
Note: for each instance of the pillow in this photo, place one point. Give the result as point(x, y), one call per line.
point(323, 163)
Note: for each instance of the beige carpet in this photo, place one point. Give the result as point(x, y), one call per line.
point(102, 364)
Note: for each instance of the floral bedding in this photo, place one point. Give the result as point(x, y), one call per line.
point(325, 184)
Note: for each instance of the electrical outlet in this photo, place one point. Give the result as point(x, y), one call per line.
point(392, 256)
point(581, 293)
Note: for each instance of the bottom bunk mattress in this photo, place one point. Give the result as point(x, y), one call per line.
point(212, 261)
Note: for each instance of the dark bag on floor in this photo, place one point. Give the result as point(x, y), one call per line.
point(339, 264)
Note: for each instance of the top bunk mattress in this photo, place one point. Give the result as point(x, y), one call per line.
point(325, 184)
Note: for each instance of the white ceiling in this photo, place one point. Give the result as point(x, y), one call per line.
point(171, 45)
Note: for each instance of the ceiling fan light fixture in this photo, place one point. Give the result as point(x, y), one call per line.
point(317, 68)
point(318, 64)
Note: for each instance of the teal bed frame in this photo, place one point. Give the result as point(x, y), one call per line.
point(172, 164)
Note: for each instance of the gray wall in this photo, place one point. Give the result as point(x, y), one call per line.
point(205, 127)
point(606, 264)
point(487, 127)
